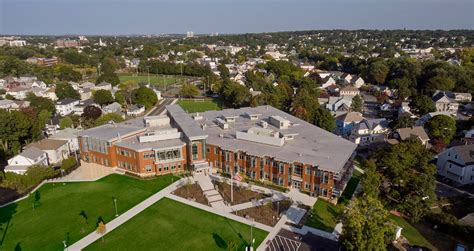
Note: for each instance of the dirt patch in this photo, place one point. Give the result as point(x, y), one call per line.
point(438, 239)
point(241, 194)
point(192, 192)
point(268, 214)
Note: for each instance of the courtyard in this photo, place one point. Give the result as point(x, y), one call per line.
point(200, 105)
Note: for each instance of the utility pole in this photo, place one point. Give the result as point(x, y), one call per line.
point(231, 190)
point(148, 69)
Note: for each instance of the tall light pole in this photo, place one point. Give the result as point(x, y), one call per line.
point(115, 205)
point(231, 189)
point(251, 237)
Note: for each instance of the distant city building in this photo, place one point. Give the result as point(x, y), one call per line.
point(66, 43)
point(12, 41)
point(189, 34)
point(43, 61)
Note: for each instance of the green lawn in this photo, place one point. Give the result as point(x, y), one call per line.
point(324, 215)
point(171, 225)
point(57, 215)
point(410, 232)
point(351, 186)
point(191, 106)
point(154, 79)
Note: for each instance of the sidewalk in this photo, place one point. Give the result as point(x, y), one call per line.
point(92, 237)
point(212, 195)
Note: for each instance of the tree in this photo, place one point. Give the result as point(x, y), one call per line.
point(40, 103)
point(108, 117)
point(366, 225)
point(101, 229)
point(324, 119)
point(144, 96)
point(67, 73)
point(403, 122)
point(357, 103)
point(120, 98)
point(441, 126)
point(377, 72)
point(91, 112)
point(371, 179)
point(64, 90)
point(223, 71)
point(410, 175)
point(423, 104)
point(189, 90)
point(65, 122)
point(85, 218)
point(440, 83)
point(103, 97)
point(109, 77)
point(235, 95)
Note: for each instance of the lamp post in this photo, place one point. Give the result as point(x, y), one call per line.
point(251, 237)
point(115, 205)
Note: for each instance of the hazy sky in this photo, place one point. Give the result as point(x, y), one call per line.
point(108, 17)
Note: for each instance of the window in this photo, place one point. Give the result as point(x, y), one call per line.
point(298, 170)
point(308, 170)
point(215, 150)
point(148, 168)
point(208, 150)
point(195, 151)
point(149, 155)
point(307, 186)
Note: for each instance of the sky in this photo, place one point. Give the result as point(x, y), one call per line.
point(122, 17)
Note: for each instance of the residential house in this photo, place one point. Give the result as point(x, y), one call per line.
point(66, 106)
point(469, 137)
point(445, 102)
point(22, 162)
point(414, 132)
point(346, 122)
point(56, 149)
point(327, 81)
point(339, 105)
point(68, 134)
point(457, 164)
point(135, 110)
point(85, 93)
point(346, 78)
point(52, 125)
point(357, 82)
point(349, 91)
point(103, 86)
point(114, 107)
point(19, 92)
point(8, 105)
point(51, 94)
point(79, 108)
point(369, 131)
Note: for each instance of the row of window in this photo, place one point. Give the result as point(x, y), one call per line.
point(125, 153)
point(126, 165)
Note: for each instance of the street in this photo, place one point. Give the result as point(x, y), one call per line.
point(160, 107)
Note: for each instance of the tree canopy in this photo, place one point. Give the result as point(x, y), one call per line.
point(145, 96)
point(103, 97)
point(189, 90)
point(65, 90)
point(442, 127)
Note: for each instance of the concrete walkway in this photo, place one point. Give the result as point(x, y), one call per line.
point(272, 233)
point(92, 237)
point(86, 172)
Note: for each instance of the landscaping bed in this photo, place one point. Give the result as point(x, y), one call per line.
point(268, 214)
point(241, 194)
point(191, 192)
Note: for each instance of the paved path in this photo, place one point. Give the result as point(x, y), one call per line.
point(255, 203)
point(161, 107)
point(87, 172)
point(92, 237)
point(272, 233)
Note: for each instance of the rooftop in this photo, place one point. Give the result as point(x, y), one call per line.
point(310, 144)
point(47, 144)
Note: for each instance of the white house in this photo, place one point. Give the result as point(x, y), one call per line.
point(103, 86)
point(79, 108)
point(457, 164)
point(19, 92)
point(445, 102)
point(328, 81)
point(357, 82)
point(114, 107)
point(415, 132)
point(135, 110)
point(56, 149)
point(369, 131)
point(8, 105)
point(21, 162)
point(68, 134)
point(339, 104)
point(66, 106)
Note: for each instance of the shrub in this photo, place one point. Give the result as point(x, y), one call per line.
point(24, 182)
point(68, 164)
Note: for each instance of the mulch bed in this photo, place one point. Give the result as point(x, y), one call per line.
point(241, 194)
point(192, 192)
point(266, 214)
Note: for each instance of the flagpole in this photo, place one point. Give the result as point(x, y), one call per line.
point(231, 190)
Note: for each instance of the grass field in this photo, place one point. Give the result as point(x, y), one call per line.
point(324, 215)
point(171, 225)
point(57, 215)
point(191, 106)
point(410, 232)
point(154, 79)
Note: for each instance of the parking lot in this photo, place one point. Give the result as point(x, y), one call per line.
point(289, 241)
